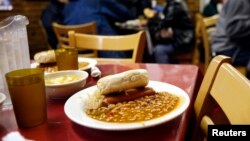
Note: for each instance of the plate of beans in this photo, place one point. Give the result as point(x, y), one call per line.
point(168, 102)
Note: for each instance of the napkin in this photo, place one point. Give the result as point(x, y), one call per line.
point(14, 136)
point(95, 72)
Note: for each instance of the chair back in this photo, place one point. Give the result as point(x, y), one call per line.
point(196, 52)
point(207, 29)
point(61, 32)
point(223, 97)
point(133, 42)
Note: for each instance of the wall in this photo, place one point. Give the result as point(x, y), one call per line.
point(32, 10)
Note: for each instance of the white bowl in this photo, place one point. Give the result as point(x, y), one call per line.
point(2, 98)
point(63, 84)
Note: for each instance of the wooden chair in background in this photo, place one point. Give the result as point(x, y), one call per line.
point(207, 30)
point(131, 42)
point(198, 40)
point(193, 56)
point(186, 57)
point(61, 32)
point(183, 58)
point(223, 97)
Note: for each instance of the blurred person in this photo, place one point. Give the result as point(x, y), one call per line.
point(136, 6)
point(53, 13)
point(212, 8)
point(5, 2)
point(104, 12)
point(171, 29)
point(233, 32)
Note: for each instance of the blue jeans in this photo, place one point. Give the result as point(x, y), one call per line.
point(240, 56)
point(162, 53)
point(114, 54)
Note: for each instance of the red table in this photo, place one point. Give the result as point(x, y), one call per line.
point(60, 128)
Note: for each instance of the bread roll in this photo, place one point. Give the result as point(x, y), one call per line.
point(123, 81)
point(47, 56)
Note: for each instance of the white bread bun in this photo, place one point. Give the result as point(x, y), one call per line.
point(123, 81)
point(47, 56)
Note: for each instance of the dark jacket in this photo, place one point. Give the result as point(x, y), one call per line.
point(52, 13)
point(104, 12)
point(176, 17)
point(210, 9)
point(136, 6)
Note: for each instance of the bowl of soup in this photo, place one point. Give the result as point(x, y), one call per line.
point(63, 84)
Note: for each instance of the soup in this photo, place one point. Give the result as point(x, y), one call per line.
point(62, 79)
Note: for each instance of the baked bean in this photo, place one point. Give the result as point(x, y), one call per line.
point(141, 109)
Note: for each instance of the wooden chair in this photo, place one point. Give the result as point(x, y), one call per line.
point(186, 57)
point(192, 56)
point(207, 30)
point(183, 58)
point(198, 40)
point(223, 97)
point(61, 32)
point(132, 42)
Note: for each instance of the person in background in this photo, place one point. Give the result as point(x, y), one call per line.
point(104, 12)
point(233, 33)
point(136, 6)
point(5, 2)
point(53, 13)
point(171, 29)
point(212, 8)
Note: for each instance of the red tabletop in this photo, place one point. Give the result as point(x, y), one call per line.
point(60, 128)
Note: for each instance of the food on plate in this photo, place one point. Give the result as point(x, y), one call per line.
point(45, 57)
point(123, 81)
point(51, 67)
point(47, 61)
point(82, 64)
point(125, 97)
point(62, 79)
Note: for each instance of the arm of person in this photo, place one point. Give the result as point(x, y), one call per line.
point(116, 10)
point(236, 14)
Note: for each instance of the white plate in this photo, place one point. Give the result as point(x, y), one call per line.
point(91, 64)
point(74, 109)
